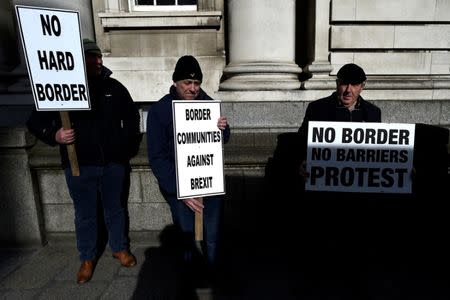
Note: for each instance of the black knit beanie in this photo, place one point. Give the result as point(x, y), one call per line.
point(187, 67)
point(90, 46)
point(351, 73)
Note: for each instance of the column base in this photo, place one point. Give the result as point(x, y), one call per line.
point(261, 76)
point(320, 76)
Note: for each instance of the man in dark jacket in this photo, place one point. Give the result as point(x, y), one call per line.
point(338, 216)
point(187, 79)
point(344, 105)
point(105, 139)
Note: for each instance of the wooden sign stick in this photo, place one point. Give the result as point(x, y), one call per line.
point(65, 119)
point(198, 227)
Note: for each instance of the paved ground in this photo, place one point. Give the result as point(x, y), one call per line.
point(259, 266)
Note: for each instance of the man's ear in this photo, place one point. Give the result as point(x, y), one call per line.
point(174, 84)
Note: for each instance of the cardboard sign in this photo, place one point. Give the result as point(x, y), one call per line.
point(52, 44)
point(198, 148)
point(360, 157)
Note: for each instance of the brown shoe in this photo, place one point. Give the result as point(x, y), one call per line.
point(125, 257)
point(85, 272)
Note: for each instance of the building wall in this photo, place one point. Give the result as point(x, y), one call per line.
point(407, 38)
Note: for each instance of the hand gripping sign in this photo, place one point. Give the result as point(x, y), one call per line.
point(360, 157)
point(52, 44)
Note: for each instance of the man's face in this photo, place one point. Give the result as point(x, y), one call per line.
point(94, 63)
point(348, 93)
point(187, 89)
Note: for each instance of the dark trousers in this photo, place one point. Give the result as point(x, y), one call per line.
point(106, 181)
point(183, 217)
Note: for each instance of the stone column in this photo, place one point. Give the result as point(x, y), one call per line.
point(320, 66)
point(262, 46)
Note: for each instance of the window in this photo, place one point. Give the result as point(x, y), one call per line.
point(163, 5)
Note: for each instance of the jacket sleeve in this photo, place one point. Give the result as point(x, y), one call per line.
point(226, 134)
point(161, 163)
point(303, 133)
point(131, 126)
point(44, 126)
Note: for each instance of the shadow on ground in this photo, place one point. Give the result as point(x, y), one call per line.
point(284, 243)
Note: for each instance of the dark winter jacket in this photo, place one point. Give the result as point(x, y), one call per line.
point(160, 144)
point(109, 132)
point(331, 109)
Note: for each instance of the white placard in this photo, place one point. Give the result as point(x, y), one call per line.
point(198, 148)
point(52, 44)
point(360, 157)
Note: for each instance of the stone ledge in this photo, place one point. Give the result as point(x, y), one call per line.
point(195, 19)
point(244, 149)
point(16, 138)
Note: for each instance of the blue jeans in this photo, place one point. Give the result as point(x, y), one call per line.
point(106, 181)
point(183, 217)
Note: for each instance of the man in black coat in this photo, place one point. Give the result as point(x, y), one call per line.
point(345, 104)
point(105, 139)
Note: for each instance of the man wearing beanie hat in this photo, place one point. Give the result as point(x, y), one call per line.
point(187, 79)
point(105, 139)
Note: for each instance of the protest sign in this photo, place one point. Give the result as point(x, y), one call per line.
point(360, 157)
point(198, 148)
point(51, 39)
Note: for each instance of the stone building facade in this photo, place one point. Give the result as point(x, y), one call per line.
point(264, 59)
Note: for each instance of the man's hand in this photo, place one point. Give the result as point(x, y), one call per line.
point(65, 136)
point(194, 204)
point(302, 171)
point(222, 123)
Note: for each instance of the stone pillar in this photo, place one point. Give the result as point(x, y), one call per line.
point(262, 46)
point(20, 210)
point(320, 66)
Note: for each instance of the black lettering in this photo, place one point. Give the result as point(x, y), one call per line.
point(401, 177)
point(340, 154)
point(42, 56)
point(358, 136)
point(74, 90)
point(381, 136)
point(370, 136)
point(316, 172)
point(373, 177)
point(346, 135)
point(201, 183)
point(49, 92)
point(388, 180)
point(403, 156)
point(331, 177)
point(40, 91)
point(55, 60)
point(319, 134)
point(58, 94)
point(347, 176)
point(321, 154)
point(403, 138)
point(198, 114)
point(360, 155)
point(393, 135)
point(361, 173)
